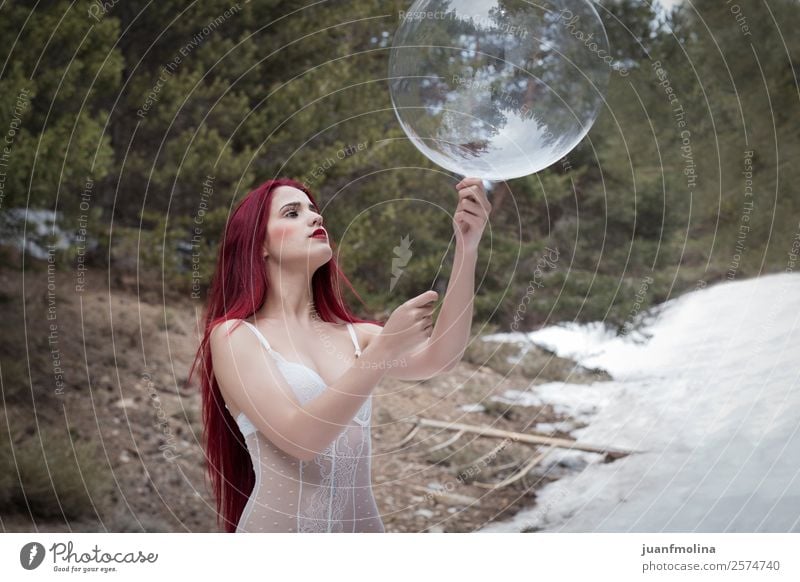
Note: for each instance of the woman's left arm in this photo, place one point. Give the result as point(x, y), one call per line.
point(451, 332)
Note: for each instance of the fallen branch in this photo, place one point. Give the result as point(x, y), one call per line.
point(489, 432)
point(444, 496)
point(551, 443)
point(519, 474)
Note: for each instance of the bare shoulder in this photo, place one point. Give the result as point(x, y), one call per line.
point(222, 332)
point(239, 371)
point(229, 338)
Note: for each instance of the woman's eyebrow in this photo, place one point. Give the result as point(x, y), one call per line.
point(295, 204)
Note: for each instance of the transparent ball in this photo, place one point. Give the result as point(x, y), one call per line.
point(498, 89)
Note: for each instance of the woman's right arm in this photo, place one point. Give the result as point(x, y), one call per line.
point(249, 376)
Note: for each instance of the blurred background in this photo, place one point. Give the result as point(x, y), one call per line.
point(130, 130)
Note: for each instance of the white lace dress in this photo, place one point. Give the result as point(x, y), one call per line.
point(330, 493)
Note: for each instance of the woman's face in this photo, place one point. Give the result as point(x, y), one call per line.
point(293, 219)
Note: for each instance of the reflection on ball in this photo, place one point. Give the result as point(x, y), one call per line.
point(498, 89)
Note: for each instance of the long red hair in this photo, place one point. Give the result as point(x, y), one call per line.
point(237, 290)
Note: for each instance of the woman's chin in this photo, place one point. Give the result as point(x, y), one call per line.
point(320, 256)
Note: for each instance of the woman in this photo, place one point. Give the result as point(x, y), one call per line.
point(288, 370)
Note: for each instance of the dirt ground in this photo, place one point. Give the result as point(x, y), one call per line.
point(124, 358)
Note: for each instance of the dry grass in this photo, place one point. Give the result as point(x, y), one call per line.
point(50, 475)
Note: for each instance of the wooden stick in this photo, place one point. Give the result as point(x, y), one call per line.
point(449, 441)
point(519, 474)
point(532, 439)
point(442, 495)
point(414, 430)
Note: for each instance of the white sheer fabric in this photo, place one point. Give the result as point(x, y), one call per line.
point(330, 493)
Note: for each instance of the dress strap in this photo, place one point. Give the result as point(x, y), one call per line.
point(259, 335)
point(355, 339)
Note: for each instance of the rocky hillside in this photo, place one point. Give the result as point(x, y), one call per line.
point(96, 379)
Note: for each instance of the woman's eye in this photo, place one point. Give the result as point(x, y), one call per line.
point(296, 213)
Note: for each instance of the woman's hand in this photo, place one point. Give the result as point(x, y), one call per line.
point(409, 325)
point(472, 213)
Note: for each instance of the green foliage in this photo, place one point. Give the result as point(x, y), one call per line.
point(247, 92)
point(64, 71)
